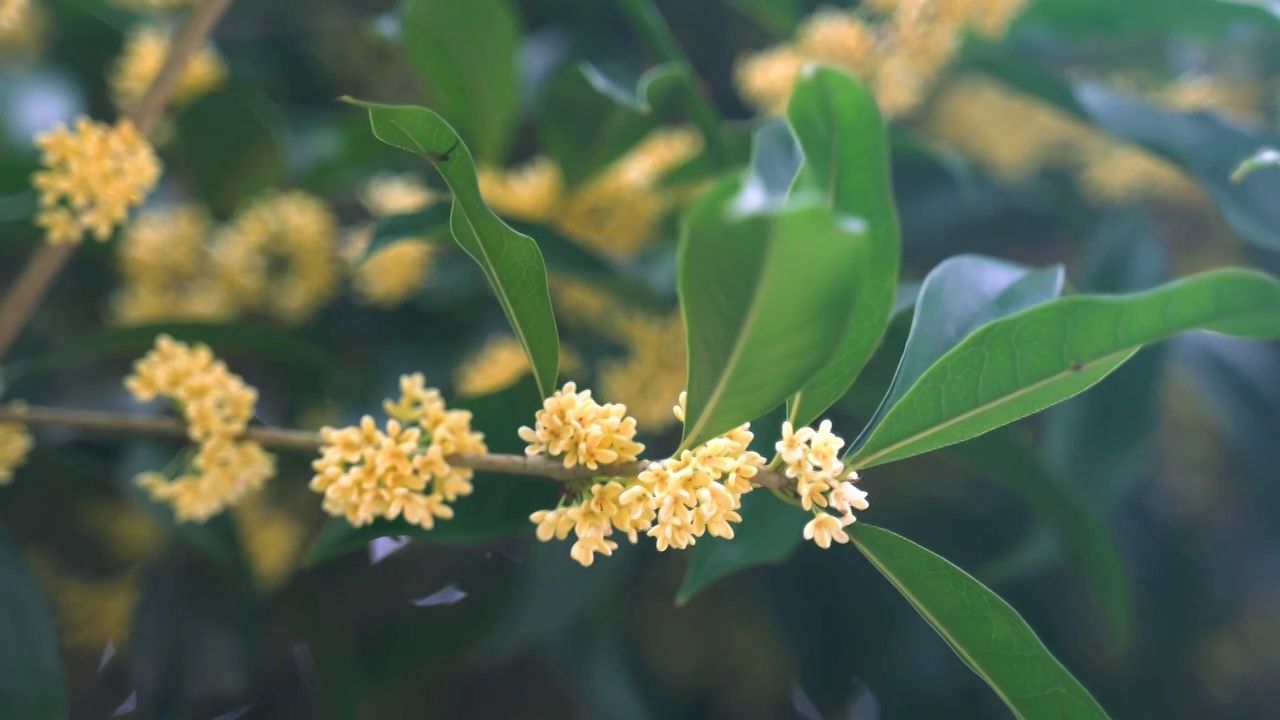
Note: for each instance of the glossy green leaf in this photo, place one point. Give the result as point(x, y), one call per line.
point(499, 507)
point(988, 635)
point(846, 161)
point(765, 303)
point(960, 295)
point(770, 531)
point(638, 95)
point(510, 260)
point(1013, 367)
point(33, 683)
point(465, 55)
point(775, 160)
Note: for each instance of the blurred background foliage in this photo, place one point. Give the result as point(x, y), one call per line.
point(1095, 134)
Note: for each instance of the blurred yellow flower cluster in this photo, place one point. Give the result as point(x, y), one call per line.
point(898, 47)
point(155, 4)
point(163, 260)
point(278, 256)
point(571, 425)
point(500, 363)
point(366, 473)
point(92, 177)
point(394, 272)
point(24, 27)
point(272, 539)
point(217, 406)
point(15, 445)
point(139, 63)
point(12, 11)
point(1013, 136)
point(812, 459)
point(616, 212)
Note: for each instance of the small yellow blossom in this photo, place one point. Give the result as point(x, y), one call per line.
point(366, 473)
point(574, 426)
point(92, 176)
point(765, 79)
point(599, 511)
point(499, 364)
point(393, 273)
point(391, 194)
point(15, 445)
point(138, 65)
point(217, 405)
point(533, 192)
point(812, 458)
point(839, 38)
point(280, 256)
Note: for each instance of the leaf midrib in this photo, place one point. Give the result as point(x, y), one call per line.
point(498, 287)
point(735, 354)
point(889, 449)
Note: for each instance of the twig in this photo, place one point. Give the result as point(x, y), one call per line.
point(35, 280)
point(123, 423)
point(658, 36)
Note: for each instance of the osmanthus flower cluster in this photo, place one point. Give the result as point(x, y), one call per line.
point(391, 274)
point(139, 63)
point(217, 405)
point(366, 473)
point(812, 459)
point(617, 211)
point(91, 177)
point(11, 12)
point(15, 445)
point(899, 47)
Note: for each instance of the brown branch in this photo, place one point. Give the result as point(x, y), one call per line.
point(123, 423)
point(35, 280)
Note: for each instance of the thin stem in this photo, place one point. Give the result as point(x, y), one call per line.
point(282, 438)
point(35, 280)
point(658, 36)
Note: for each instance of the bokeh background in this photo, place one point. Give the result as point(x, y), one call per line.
point(993, 152)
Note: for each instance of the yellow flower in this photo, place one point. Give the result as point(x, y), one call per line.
point(532, 192)
point(653, 369)
point(24, 27)
point(92, 176)
point(217, 405)
point(765, 79)
point(499, 364)
point(11, 12)
point(390, 194)
point(812, 458)
point(272, 540)
point(139, 63)
point(1112, 173)
point(167, 271)
point(393, 273)
point(15, 445)
point(598, 511)
point(573, 425)
point(366, 473)
point(279, 256)
point(839, 38)
point(701, 490)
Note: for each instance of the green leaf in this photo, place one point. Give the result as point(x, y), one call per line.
point(33, 683)
point(641, 94)
point(465, 55)
point(960, 295)
point(237, 116)
point(1013, 367)
point(770, 531)
point(778, 16)
point(1088, 541)
point(1143, 17)
point(846, 160)
point(511, 261)
point(499, 507)
point(988, 635)
point(763, 295)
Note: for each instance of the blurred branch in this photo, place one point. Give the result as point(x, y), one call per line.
point(657, 35)
point(47, 263)
point(124, 423)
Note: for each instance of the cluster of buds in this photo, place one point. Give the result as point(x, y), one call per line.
point(812, 459)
